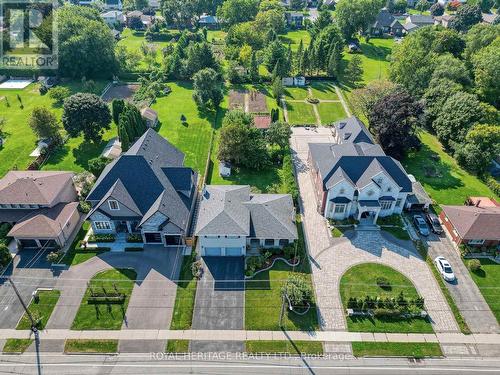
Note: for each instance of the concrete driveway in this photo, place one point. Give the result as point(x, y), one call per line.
point(220, 302)
point(153, 296)
point(464, 290)
point(331, 258)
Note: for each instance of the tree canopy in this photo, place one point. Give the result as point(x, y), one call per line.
point(353, 16)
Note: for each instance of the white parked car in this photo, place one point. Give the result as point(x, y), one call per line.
point(444, 268)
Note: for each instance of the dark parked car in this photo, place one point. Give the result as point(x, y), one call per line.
point(421, 226)
point(433, 221)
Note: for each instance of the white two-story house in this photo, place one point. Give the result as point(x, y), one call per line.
point(354, 177)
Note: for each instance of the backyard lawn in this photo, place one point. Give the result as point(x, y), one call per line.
point(300, 113)
point(443, 179)
point(182, 316)
point(399, 349)
point(263, 298)
point(296, 93)
point(361, 280)
point(294, 37)
point(192, 138)
point(41, 309)
point(488, 281)
point(20, 141)
point(323, 90)
point(100, 314)
point(331, 112)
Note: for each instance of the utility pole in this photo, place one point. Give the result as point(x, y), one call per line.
point(290, 307)
point(33, 323)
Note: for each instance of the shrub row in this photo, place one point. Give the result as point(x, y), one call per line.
point(101, 238)
point(400, 303)
point(135, 238)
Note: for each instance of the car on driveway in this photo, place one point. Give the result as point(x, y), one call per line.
point(421, 226)
point(444, 268)
point(433, 221)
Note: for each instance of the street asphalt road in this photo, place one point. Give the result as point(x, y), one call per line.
point(225, 363)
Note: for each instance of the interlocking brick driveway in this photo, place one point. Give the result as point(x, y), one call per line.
point(332, 258)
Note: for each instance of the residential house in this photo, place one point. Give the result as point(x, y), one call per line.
point(208, 21)
point(416, 21)
point(41, 206)
point(106, 4)
point(386, 24)
point(443, 20)
point(147, 191)
point(155, 4)
point(490, 18)
point(353, 177)
point(113, 17)
point(444, 3)
point(294, 19)
point(475, 224)
point(150, 116)
point(231, 217)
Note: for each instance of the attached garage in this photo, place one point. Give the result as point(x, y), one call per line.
point(153, 237)
point(173, 240)
point(213, 251)
point(234, 251)
point(28, 243)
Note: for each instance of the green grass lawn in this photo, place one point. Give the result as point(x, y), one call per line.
point(42, 309)
point(75, 254)
point(284, 347)
point(330, 112)
point(193, 138)
point(324, 90)
point(263, 298)
point(443, 179)
point(16, 345)
point(177, 346)
point(361, 280)
point(20, 140)
point(294, 37)
point(488, 282)
point(105, 316)
point(90, 346)
point(217, 35)
point(300, 113)
point(399, 349)
point(296, 93)
point(182, 317)
point(398, 232)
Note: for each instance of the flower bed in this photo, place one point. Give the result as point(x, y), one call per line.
point(134, 238)
point(101, 238)
point(271, 265)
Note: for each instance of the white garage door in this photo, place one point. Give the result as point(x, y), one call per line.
point(234, 251)
point(213, 251)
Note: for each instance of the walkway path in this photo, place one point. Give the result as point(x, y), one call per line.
point(342, 100)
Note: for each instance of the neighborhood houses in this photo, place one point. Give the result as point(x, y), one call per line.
point(278, 183)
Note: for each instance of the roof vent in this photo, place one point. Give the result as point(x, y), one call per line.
point(342, 125)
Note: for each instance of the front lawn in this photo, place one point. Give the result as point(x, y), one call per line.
point(263, 297)
point(182, 317)
point(398, 232)
point(75, 254)
point(177, 346)
point(398, 349)
point(339, 231)
point(193, 137)
point(41, 309)
point(300, 113)
point(90, 346)
point(284, 347)
point(331, 112)
point(361, 280)
point(443, 179)
point(105, 314)
point(16, 345)
point(488, 282)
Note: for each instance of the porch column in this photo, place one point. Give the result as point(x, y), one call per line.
point(376, 216)
point(129, 227)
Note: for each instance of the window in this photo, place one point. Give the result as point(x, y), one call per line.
point(389, 189)
point(113, 205)
point(385, 205)
point(339, 208)
point(102, 225)
point(268, 242)
point(398, 202)
point(476, 242)
point(342, 191)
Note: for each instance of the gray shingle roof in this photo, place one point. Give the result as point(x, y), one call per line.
point(384, 19)
point(146, 181)
point(352, 130)
point(233, 210)
point(420, 19)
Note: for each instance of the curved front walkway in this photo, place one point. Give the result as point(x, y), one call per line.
point(153, 296)
point(330, 258)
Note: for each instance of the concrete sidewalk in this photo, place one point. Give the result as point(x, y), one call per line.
point(241, 335)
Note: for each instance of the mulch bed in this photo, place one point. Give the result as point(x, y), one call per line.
point(237, 99)
point(257, 102)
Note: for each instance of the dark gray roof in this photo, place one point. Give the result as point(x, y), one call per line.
point(340, 200)
point(145, 178)
point(384, 19)
point(420, 19)
point(387, 198)
point(368, 203)
point(352, 130)
point(233, 210)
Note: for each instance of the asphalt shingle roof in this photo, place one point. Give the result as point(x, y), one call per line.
point(475, 223)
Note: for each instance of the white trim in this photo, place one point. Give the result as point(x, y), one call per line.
point(117, 205)
point(106, 224)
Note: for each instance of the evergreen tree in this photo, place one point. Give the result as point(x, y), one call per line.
point(298, 58)
point(254, 68)
point(122, 133)
point(117, 106)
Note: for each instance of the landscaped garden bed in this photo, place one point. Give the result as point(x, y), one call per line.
point(388, 300)
point(105, 302)
point(101, 238)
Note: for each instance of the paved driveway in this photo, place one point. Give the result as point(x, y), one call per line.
point(153, 296)
point(332, 258)
point(464, 291)
point(220, 302)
